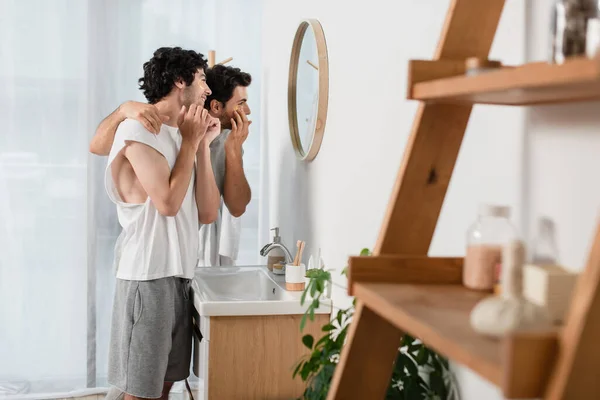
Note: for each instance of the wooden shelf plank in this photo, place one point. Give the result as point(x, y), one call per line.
point(577, 79)
point(404, 269)
point(439, 316)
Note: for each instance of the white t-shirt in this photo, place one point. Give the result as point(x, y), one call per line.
point(151, 245)
point(220, 241)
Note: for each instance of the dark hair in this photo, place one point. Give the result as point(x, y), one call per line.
point(167, 66)
point(222, 81)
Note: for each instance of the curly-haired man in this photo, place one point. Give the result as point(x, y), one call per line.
point(228, 103)
point(163, 186)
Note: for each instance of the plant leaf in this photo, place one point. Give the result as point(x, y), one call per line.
point(328, 327)
point(365, 252)
point(316, 303)
point(303, 298)
point(305, 372)
point(399, 366)
point(308, 341)
point(422, 356)
point(411, 366)
point(407, 340)
point(436, 383)
point(320, 286)
point(436, 364)
point(414, 348)
point(413, 391)
point(303, 322)
point(300, 364)
point(324, 339)
point(339, 317)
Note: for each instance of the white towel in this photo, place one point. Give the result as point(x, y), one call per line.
point(220, 241)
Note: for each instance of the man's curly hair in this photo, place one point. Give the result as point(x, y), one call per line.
point(167, 66)
point(222, 81)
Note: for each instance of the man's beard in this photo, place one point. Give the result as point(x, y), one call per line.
point(225, 123)
point(189, 99)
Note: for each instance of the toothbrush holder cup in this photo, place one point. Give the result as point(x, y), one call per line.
point(295, 277)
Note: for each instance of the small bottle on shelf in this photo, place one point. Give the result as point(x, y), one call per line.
point(544, 250)
point(485, 240)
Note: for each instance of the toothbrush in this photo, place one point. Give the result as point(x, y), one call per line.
point(297, 252)
point(298, 257)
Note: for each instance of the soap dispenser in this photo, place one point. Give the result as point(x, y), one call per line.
point(276, 255)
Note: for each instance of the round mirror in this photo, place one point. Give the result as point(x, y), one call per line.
point(308, 89)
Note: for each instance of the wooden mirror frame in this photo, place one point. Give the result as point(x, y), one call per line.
point(317, 137)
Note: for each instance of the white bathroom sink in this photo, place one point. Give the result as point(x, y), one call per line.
point(239, 284)
point(252, 290)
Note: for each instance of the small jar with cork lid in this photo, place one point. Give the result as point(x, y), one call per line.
point(486, 238)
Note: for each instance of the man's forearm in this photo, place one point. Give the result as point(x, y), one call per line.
point(236, 191)
point(208, 198)
point(105, 133)
point(181, 174)
point(166, 188)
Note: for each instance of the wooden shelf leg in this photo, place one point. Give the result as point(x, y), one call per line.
point(531, 356)
point(367, 359)
point(436, 136)
point(424, 177)
point(575, 375)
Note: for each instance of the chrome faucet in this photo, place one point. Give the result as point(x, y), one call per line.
point(277, 244)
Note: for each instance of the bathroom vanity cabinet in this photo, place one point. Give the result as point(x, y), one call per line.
point(251, 339)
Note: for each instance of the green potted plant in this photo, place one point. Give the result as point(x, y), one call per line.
point(419, 372)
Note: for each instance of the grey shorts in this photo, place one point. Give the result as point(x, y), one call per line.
point(151, 335)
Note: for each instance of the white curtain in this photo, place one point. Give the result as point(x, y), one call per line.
point(64, 64)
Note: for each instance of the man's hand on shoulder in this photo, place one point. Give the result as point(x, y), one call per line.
point(146, 114)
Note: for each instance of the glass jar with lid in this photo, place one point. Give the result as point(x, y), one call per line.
point(486, 238)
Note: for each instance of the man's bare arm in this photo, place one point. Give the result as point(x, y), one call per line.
point(236, 190)
point(146, 114)
point(167, 188)
point(208, 197)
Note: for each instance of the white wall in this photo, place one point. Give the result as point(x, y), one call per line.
point(563, 147)
point(337, 202)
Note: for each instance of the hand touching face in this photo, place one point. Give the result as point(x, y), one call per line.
point(194, 123)
point(240, 128)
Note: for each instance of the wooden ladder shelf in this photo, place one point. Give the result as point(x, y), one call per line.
point(401, 289)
